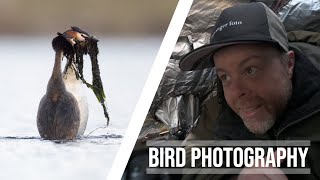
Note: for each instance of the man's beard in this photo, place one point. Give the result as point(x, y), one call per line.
point(261, 126)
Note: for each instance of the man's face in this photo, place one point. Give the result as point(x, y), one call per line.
point(256, 82)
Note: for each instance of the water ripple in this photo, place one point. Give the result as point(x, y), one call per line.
point(95, 139)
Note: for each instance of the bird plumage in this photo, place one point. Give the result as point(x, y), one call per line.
point(58, 115)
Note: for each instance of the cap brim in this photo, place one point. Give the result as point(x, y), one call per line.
point(201, 58)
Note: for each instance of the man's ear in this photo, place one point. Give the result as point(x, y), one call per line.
point(290, 62)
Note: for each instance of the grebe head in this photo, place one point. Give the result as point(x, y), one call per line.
point(59, 43)
point(75, 35)
point(66, 41)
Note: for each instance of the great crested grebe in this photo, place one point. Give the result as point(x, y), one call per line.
point(73, 84)
point(58, 115)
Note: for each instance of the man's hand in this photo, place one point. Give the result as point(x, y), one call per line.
point(268, 173)
point(263, 173)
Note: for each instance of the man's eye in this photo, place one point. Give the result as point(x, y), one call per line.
point(224, 77)
point(251, 71)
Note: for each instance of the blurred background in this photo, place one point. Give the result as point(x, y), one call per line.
point(108, 17)
point(130, 34)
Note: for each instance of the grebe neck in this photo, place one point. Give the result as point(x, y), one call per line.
point(56, 84)
point(56, 72)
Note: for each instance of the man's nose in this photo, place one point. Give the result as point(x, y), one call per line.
point(238, 89)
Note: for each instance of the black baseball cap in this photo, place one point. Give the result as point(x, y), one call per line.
point(242, 23)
